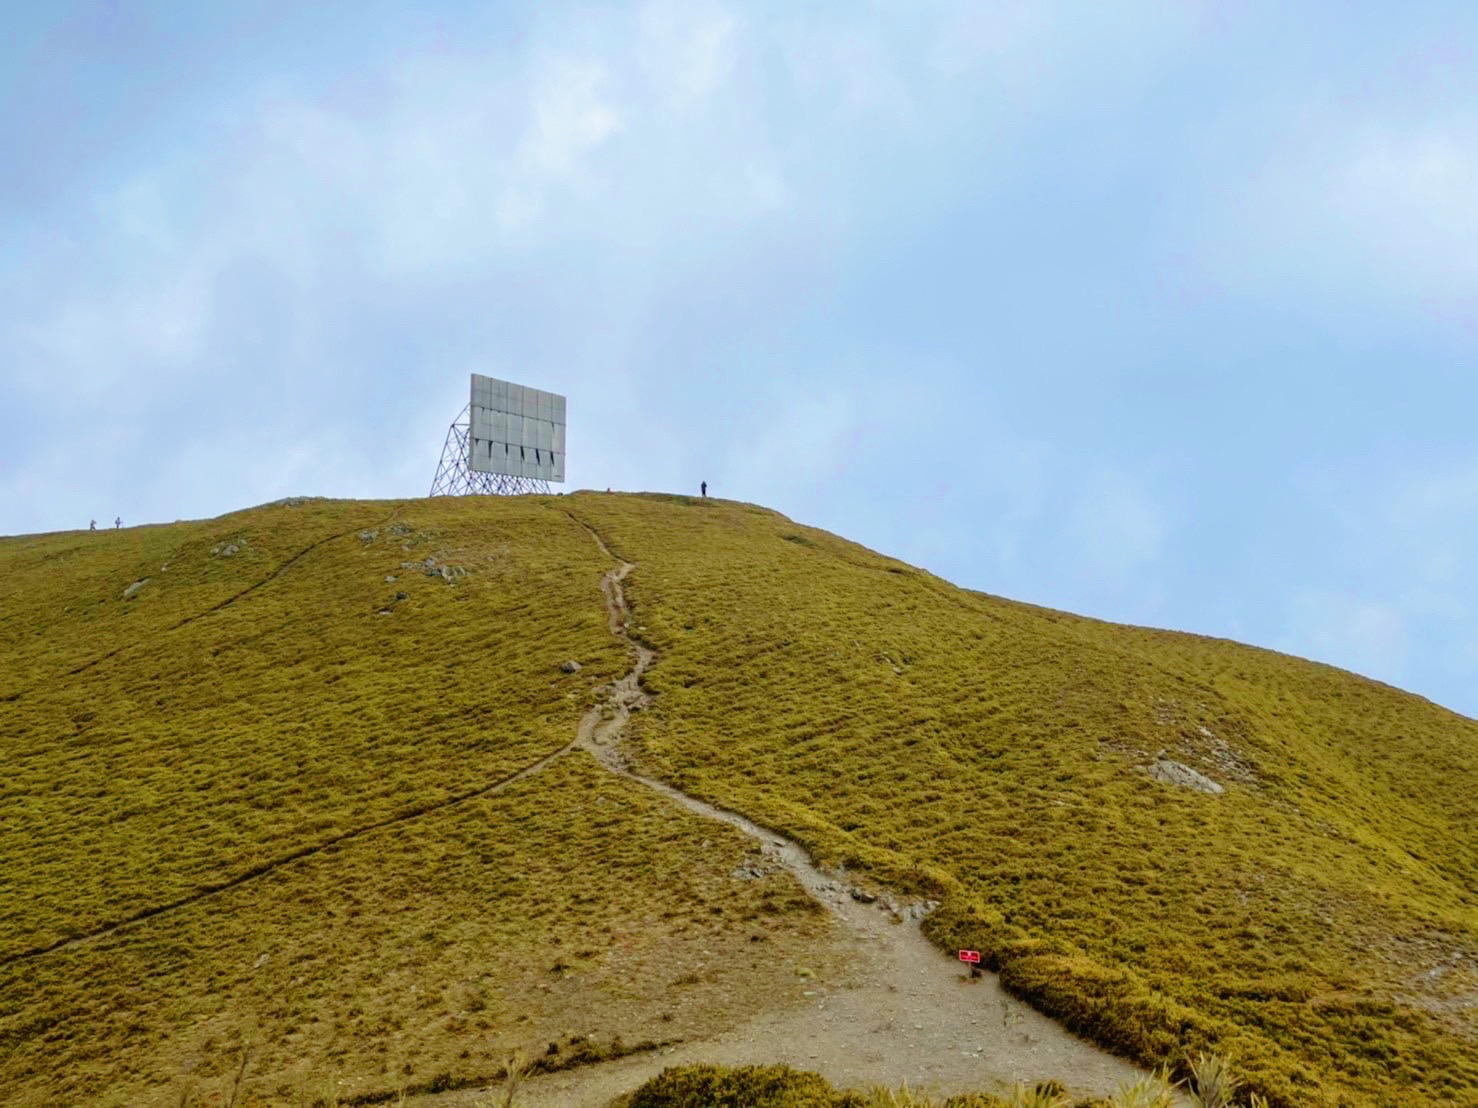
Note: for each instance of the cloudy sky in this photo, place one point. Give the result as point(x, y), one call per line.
point(1160, 312)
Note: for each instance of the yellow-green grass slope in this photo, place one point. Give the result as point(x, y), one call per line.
point(249, 745)
point(1316, 922)
point(285, 791)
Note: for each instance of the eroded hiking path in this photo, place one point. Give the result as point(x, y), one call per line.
point(905, 1011)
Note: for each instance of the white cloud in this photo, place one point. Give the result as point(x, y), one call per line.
point(138, 212)
point(767, 185)
point(447, 163)
point(1119, 523)
point(1367, 636)
point(571, 116)
point(1432, 518)
point(1359, 207)
point(852, 65)
point(801, 443)
point(1397, 599)
point(95, 338)
point(1415, 525)
point(688, 49)
point(298, 189)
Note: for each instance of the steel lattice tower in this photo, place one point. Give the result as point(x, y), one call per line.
point(454, 477)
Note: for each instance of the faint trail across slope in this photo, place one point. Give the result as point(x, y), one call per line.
point(489, 789)
point(906, 1013)
point(277, 572)
point(287, 859)
point(593, 734)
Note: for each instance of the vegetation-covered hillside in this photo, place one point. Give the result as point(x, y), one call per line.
point(280, 772)
point(265, 801)
point(1316, 921)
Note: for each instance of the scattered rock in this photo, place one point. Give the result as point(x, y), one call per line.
point(226, 549)
point(389, 578)
point(752, 871)
point(864, 897)
point(383, 612)
point(1178, 773)
point(260, 962)
point(133, 590)
point(399, 529)
point(571, 666)
point(907, 913)
point(1216, 753)
point(435, 569)
point(401, 596)
point(368, 536)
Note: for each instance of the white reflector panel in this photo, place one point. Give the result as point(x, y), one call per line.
point(516, 430)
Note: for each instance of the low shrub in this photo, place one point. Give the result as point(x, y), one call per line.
point(739, 1087)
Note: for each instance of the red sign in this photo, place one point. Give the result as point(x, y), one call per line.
point(970, 956)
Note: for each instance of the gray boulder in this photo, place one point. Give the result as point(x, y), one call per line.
point(1178, 773)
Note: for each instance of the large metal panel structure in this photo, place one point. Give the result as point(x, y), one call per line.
point(509, 439)
point(516, 430)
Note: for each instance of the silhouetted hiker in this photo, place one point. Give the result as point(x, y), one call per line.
point(92, 525)
point(117, 523)
point(704, 486)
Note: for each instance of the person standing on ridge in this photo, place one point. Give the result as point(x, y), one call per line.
point(92, 525)
point(704, 486)
point(117, 523)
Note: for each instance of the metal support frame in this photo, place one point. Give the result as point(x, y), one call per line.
point(454, 477)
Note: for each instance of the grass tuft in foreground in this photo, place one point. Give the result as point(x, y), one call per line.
point(782, 1087)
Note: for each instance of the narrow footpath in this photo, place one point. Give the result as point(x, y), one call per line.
point(906, 1013)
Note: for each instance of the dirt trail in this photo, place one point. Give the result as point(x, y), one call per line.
point(906, 1013)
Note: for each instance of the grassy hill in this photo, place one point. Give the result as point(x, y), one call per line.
point(265, 802)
